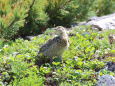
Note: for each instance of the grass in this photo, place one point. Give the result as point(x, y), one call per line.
point(82, 63)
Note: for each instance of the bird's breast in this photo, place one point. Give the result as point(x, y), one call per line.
point(57, 49)
point(63, 42)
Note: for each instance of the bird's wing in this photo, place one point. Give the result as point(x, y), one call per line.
point(49, 43)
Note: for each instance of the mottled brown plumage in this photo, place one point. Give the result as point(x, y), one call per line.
point(56, 46)
point(111, 38)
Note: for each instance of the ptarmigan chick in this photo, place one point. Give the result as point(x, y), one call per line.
point(111, 38)
point(56, 46)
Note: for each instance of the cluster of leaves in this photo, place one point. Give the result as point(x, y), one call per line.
point(12, 14)
point(82, 62)
point(37, 19)
point(17, 64)
point(103, 7)
point(21, 17)
point(64, 10)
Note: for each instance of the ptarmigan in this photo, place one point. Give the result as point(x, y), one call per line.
point(111, 38)
point(56, 46)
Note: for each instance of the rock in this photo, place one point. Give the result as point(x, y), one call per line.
point(78, 24)
point(29, 37)
point(82, 23)
point(92, 18)
point(102, 23)
point(111, 66)
point(74, 25)
point(15, 53)
point(106, 80)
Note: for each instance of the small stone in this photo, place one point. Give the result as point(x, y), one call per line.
point(111, 66)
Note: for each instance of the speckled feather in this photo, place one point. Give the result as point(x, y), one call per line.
point(49, 43)
point(55, 46)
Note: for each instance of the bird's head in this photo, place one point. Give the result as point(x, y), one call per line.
point(60, 29)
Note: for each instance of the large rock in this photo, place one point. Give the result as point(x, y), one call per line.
point(106, 80)
point(104, 22)
point(111, 66)
point(100, 23)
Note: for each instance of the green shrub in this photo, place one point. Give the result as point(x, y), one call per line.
point(103, 7)
point(29, 79)
point(37, 18)
point(22, 17)
point(64, 11)
point(12, 16)
point(67, 11)
point(83, 8)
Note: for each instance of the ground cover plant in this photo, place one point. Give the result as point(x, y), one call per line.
point(82, 63)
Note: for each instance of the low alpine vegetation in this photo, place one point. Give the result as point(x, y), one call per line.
point(82, 63)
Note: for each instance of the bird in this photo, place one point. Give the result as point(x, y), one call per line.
point(56, 46)
point(111, 38)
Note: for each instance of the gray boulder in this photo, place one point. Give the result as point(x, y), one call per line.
point(29, 37)
point(106, 80)
point(102, 23)
point(111, 66)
